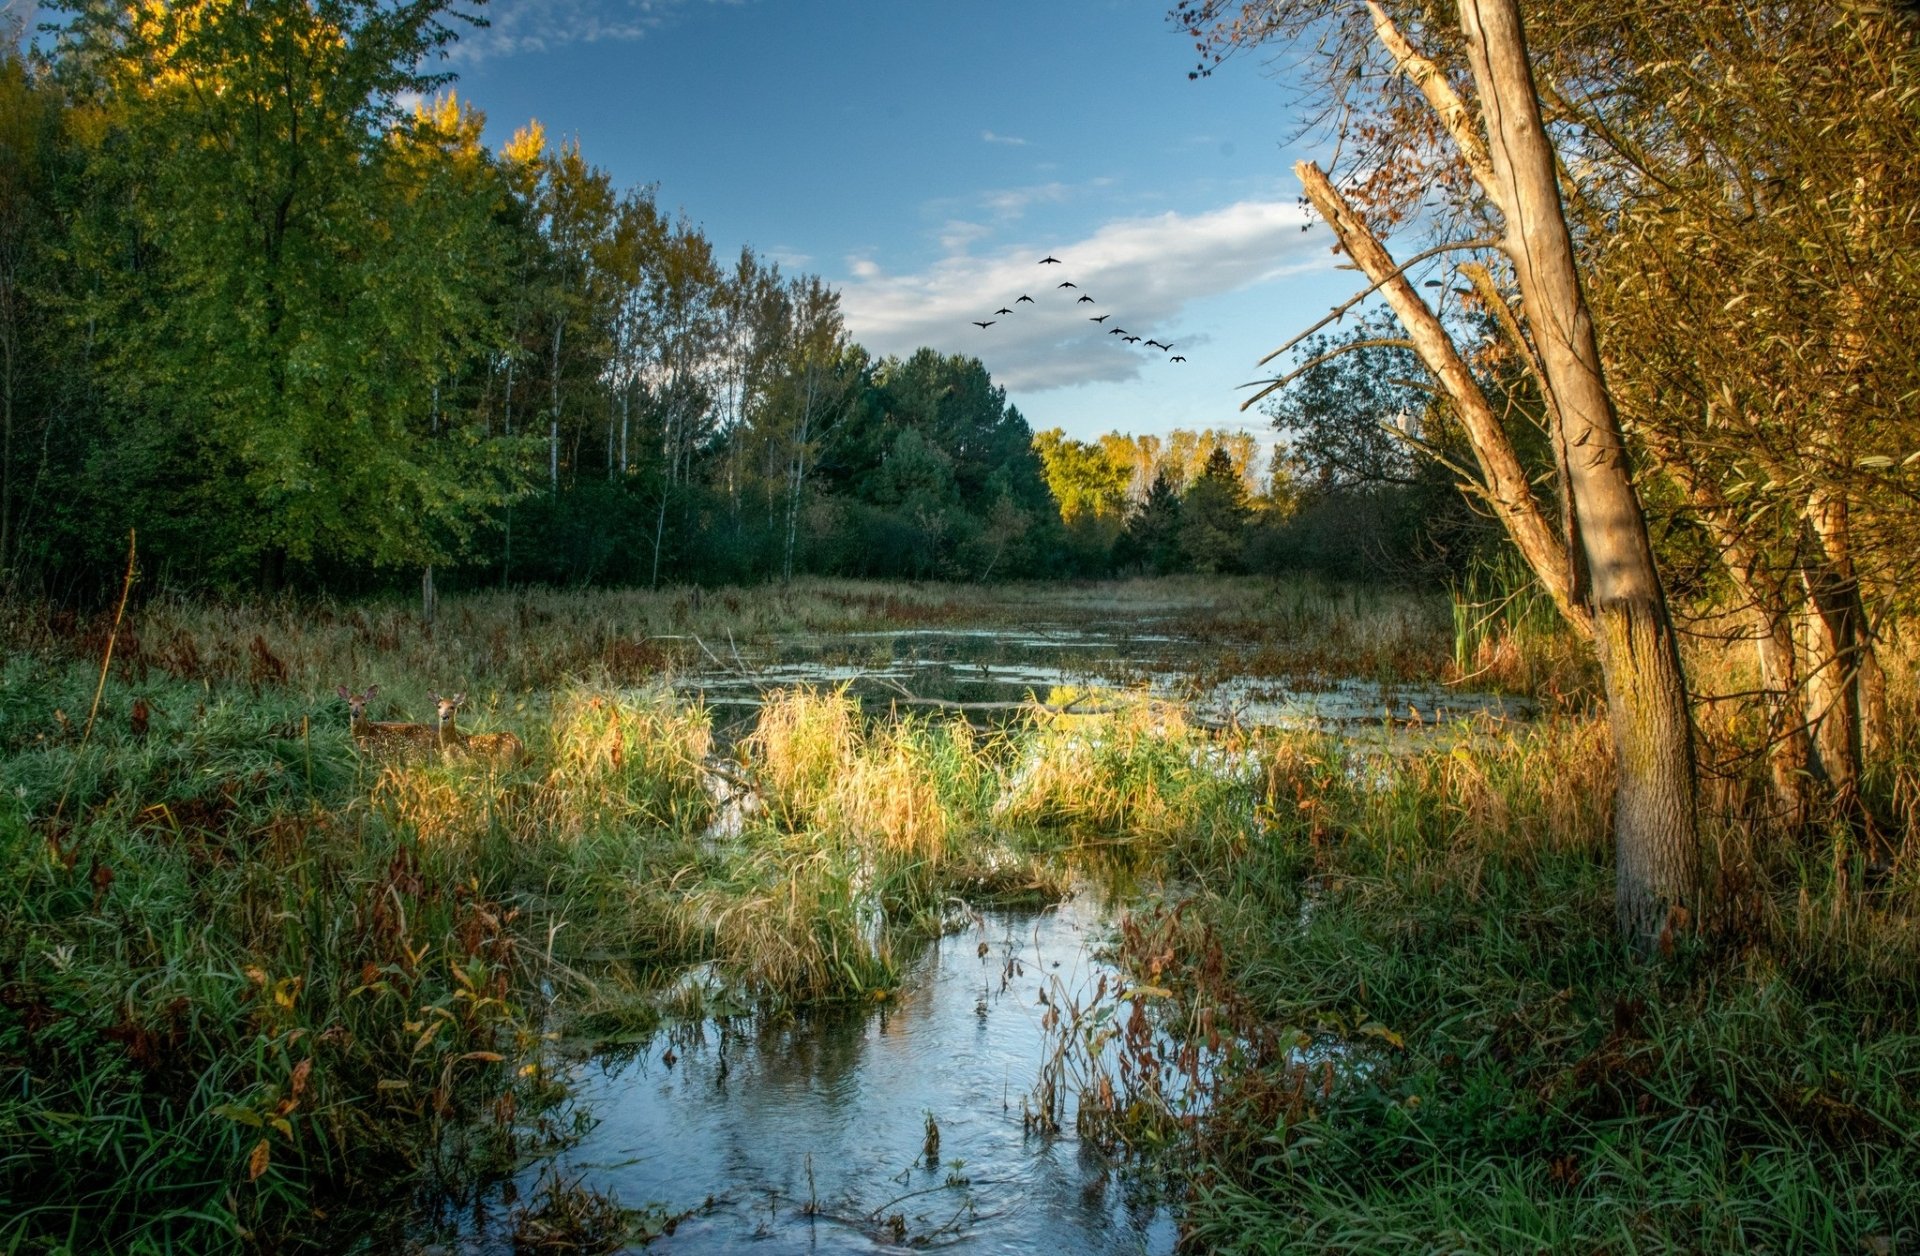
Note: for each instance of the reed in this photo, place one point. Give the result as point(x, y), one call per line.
point(1399, 1020)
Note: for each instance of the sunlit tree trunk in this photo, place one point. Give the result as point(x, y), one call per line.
point(1834, 639)
point(1656, 844)
point(1770, 619)
point(1603, 575)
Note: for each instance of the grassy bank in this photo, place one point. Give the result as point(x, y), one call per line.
point(1396, 1019)
point(259, 982)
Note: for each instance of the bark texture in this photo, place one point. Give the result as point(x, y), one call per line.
point(1655, 825)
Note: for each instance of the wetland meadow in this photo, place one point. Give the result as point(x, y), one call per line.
point(1218, 915)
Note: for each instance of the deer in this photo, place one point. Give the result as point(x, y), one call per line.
point(500, 747)
point(382, 734)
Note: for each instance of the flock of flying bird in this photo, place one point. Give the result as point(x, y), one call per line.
point(1126, 336)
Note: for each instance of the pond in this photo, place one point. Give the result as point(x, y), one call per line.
point(815, 1132)
point(990, 676)
point(811, 1134)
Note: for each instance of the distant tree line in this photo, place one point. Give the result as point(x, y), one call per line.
point(1344, 494)
point(266, 296)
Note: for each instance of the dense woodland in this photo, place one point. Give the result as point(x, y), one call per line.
point(267, 297)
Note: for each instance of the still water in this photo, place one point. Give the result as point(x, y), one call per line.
point(992, 674)
point(810, 1135)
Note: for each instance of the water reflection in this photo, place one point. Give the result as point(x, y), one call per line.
point(810, 1135)
point(989, 675)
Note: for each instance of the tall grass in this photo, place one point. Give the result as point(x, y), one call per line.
point(1415, 1031)
point(257, 981)
point(1508, 635)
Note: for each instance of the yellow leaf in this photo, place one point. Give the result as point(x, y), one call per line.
point(1374, 1029)
point(257, 1162)
point(491, 1057)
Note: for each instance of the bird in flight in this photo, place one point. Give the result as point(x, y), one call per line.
point(1100, 318)
point(1003, 310)
point(1086, 301)
point(1117, 331)
point(1049, 260)
point(1066, 283)
point(1157, 345)
point(1024, 297)
point(1133, 340)
point(985, 325)
point(1176, 358)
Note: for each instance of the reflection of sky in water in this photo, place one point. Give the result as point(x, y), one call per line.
point(981, 666)
point(739, 1113)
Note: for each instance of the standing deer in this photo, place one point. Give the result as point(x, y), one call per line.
point(501, 747)
point(383, 734)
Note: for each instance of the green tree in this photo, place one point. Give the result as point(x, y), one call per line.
point(267, 236)
point(1153, 534)
point(33, 147)
point(1213, 517)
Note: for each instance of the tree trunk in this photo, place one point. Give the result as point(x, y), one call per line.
point(553, 412)
point(1506, 487)
point(1833, 635)
point(1769, 613)
point(796, 477)
point(1656, 841)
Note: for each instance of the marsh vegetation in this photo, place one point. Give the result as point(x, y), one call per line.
point(1551, 886)
point(267, 985)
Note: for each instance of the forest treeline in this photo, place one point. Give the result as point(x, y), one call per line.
point(267, 297)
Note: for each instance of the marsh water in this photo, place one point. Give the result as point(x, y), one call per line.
point(811, 1133)
point(990, 675)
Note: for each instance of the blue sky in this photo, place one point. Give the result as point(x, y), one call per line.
point(923, 156)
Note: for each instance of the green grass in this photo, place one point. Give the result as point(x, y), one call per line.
point(1493, 1071)
point(225, 927)
point(258, 983)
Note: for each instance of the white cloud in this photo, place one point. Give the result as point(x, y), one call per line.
point(1141, 272)
point(1014, 140)
point(957, 234)
point(1013, 202)
point(515, 26)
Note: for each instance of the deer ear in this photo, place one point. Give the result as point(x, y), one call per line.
point(342, 691)
point(433, 697)
point(460, 699)
point(371, 691)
